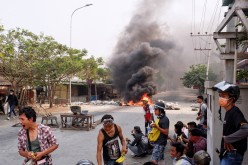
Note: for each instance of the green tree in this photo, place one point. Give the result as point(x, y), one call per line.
point(55, 63)
point(17, 53)
point(196, 77)
point(28, 59)
point(242, 74)
point(89, 72)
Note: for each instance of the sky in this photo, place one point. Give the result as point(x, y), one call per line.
point(97, 27)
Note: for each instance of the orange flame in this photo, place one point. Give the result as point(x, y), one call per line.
point(140, 103)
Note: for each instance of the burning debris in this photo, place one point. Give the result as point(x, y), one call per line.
point(143, 53)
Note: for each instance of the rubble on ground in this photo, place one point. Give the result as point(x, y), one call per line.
point(100, 102)
point(171, 105)
point(195, 106)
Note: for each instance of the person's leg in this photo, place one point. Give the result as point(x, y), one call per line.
point(157, 153)
point(12, 109)
point(231, 158)
point(2, 109)
point(134, 149)
point(146, 125)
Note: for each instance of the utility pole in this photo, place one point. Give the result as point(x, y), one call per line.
point(204, 49)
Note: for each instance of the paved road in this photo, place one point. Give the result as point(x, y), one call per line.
point(76, 145)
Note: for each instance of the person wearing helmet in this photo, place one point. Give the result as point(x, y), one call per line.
point(235, 127)
point(201, 158)
point(148, 114)
point(163, 127)
point(84, 162)
point(108, 143)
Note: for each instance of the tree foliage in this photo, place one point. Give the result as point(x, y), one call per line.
point(28, 59)
point(242, 74)
point(196, 77)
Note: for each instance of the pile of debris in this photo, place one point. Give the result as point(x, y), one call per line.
point(100, 102)
point(171, 105)
point(195, 106)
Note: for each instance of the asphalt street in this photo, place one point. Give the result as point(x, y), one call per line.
point(77, 145)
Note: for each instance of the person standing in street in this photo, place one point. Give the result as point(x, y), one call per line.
point(148, 114)
point(13, 102)
point(163, 127)
point(235, 127)
point(202, 114)
point(35, 141)
point(107, 142)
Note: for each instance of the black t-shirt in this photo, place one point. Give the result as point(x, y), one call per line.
point(164, 123)
point(233, 118)
point(111, 149)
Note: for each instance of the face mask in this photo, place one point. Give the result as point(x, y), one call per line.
point(224, 102)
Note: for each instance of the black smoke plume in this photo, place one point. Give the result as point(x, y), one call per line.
point(142, 54)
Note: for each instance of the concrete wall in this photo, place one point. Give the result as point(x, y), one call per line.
point(215, 126)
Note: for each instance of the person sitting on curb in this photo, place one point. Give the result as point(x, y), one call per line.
point(177, 153)
point(199, 142)
point(139, 145)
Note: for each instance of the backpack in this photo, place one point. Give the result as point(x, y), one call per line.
point(144, 140)
point(144, 143)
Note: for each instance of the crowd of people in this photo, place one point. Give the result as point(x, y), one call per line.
point(188, 145)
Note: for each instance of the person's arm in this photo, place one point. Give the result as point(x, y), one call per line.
point(164, 128)
point(51, 139)
point(238, 135)
point(123, 143)
point(135, 141)
point(39, 155)
point(100, 139)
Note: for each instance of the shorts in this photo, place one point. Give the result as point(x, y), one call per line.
point(158, 152)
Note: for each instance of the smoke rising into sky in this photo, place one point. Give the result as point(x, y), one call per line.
point(145, 55)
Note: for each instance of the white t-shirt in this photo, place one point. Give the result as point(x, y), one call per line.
point(181, 161)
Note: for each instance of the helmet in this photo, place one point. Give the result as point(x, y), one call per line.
point(231, 89)
point(84, 162)
point(160, 106)
point(202, 158)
